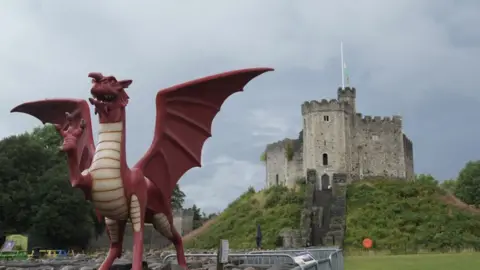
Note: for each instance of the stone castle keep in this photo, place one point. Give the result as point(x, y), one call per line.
point(335, 139)
point(336, 146)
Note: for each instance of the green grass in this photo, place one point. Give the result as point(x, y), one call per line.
point(448, 261)
point(405, 217)
point(275, 209)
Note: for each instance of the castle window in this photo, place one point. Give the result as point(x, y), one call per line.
point(276, 179)
point(325, 159)
point(326, 118)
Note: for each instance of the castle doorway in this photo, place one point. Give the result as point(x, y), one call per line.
point(325, 182)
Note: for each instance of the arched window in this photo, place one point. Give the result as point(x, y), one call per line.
point(325, 159)
point(276, 179)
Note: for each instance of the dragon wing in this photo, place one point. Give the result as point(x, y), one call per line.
point(185, 114)
point(53, 111)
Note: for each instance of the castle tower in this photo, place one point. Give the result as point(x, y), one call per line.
point(326, 136)
point(348, 94)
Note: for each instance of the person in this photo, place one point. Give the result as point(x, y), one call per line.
point(259, 237)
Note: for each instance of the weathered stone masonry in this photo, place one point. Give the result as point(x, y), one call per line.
point(337, 139)
point(336, 146)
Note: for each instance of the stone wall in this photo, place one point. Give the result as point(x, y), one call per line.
point(275, 164)
point(408, 151)
point(280, 170)
point(325, 138)
point(182, 221)
point(335, 139)
point(151, 239)
point(338, 211)
point(379, 146)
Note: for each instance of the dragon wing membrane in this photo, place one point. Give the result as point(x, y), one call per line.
point(184, 119)
point(53, 111)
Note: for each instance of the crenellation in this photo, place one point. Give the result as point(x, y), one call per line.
point(325, 105)
point(347, 91)
point(337, 139)
point(339, 146)
point(276, 145)
point(284, 162)
point(387, 120)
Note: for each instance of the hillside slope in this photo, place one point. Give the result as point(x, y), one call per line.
point(409, 216)
point(274, 209)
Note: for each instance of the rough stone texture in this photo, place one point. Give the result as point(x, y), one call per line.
point(338, 209)
point(183, 220)
point(280, 170)
point(359, 146)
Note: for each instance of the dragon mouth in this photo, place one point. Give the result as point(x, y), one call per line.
point(104, 98)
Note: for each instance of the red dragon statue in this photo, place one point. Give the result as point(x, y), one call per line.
point(140, 194)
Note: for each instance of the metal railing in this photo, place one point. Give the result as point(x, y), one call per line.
point(245, 258)
point(319, 253)
point(325, 258)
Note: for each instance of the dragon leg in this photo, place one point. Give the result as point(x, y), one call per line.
point(178, 243)
point(137, 215)
point(116, 229)
point(162, 225)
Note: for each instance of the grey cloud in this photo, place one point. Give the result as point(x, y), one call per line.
point(414, 58)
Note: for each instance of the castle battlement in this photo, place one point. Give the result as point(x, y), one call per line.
point(347, 92)
point(337, 140)
point(279, 145)
point(368, 119)
point(325, 105)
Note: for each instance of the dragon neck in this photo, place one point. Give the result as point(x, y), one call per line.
point(73, 169)
point(106, 128)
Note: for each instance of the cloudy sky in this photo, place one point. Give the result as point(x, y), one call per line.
point(409, 57)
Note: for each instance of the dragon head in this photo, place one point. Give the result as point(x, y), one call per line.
point(70, 133)
point(109, 97)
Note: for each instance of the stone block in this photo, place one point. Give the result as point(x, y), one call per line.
point(337, 211)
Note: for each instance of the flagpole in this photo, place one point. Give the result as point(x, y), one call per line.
point(342, 64)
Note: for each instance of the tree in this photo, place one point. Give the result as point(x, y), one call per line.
point(178, 198)
point(468, 183)
point(197, 217)
point(426, 179)
point(449, 185)
point(36, 196)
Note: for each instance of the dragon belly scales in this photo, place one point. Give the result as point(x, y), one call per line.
point(108, 194)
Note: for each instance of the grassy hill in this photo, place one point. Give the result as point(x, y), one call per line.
point(401, 217)
point(274, 209)
point(409, 216)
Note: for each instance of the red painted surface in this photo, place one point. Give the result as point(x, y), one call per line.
point(367, 243)
point(184, 115)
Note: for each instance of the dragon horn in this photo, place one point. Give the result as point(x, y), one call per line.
point(97, 76)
